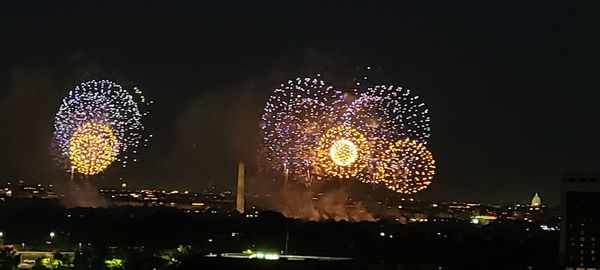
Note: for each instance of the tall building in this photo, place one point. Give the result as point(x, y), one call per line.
point(536, 201)
point(239, 202)
point(580, 223)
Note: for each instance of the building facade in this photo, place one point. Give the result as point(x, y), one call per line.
point(580, 223)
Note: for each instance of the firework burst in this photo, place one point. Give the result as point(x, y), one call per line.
point(409, 168)
point(95, 123)
point(295, 116)
point(341, 152)
point(92, 148)
point(310, 129)
point(391, 113)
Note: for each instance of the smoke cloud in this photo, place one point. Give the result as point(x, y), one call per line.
point(81, 194)
point(310, 205)
point(318, 202)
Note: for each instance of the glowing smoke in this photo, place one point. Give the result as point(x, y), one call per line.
point(81, 194)
point(324, 201)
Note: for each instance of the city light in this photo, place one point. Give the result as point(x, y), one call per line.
point(51, 263)
point(264, 256)
point(114, 263)
point(549, 228)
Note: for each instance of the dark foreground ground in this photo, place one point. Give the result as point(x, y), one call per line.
point(163, 238)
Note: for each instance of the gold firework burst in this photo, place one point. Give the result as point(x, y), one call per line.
point(341, 152)
point(92, 148)
point(408, 167)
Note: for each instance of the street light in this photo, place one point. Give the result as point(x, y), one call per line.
point(52, 234)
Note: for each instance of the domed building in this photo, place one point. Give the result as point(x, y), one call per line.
point(536, 201)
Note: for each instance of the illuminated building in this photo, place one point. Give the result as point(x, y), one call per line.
point(536, 201)
point(184, 200)
point(580, 223)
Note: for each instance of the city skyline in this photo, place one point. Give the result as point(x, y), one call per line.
point(511, 100)
point(174, 135)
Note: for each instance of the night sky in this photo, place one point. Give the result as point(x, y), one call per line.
point(511, 86)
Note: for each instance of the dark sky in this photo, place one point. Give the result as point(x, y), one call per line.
point(511, 85)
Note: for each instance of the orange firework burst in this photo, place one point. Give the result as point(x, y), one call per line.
point(408, 167)
point(341, 152)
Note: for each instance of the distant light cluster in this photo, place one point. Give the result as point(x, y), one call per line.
point(96, 122)
point(313, 131)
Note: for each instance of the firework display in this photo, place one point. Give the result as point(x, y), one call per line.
point(341, 152)
point(313, 131)
point(409, 168)
point(395, 112)
point(295, 116)
point(97, 122)
point(92, 148)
